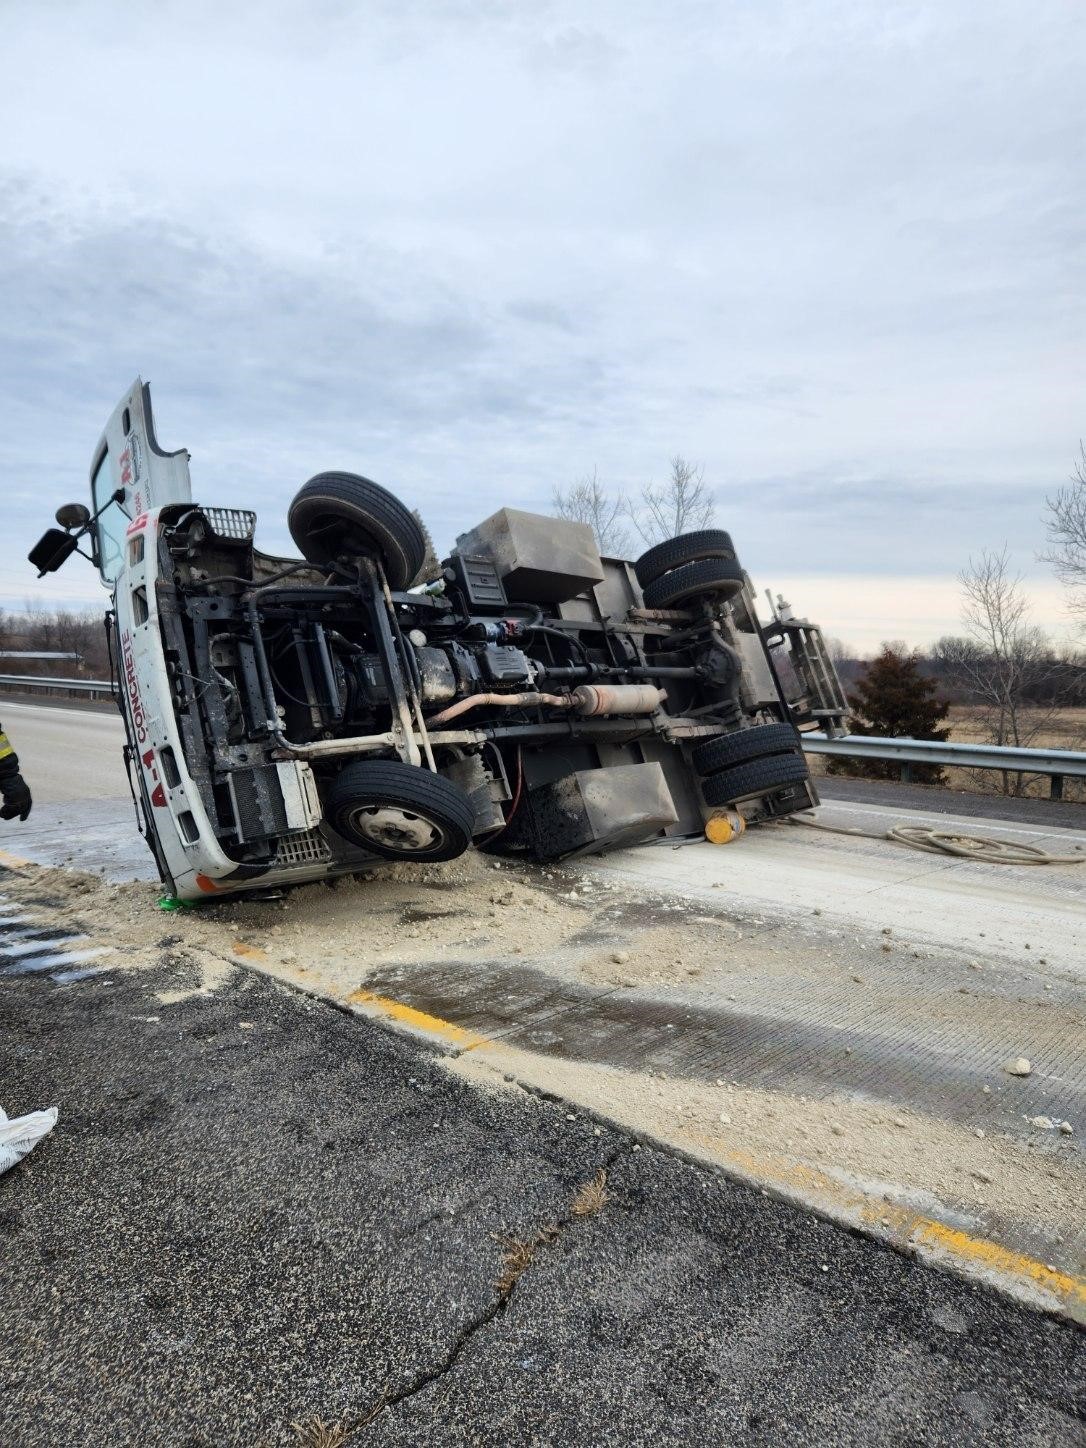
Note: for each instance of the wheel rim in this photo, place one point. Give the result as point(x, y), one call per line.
point(392, 828)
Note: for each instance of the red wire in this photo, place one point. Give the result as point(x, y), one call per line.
point(516, 799)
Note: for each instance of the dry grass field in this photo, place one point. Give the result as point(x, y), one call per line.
point(1059, 729)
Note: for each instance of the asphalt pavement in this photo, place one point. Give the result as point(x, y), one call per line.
point(933, 799)
point(257, 1210)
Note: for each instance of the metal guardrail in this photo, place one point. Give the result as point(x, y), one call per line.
point(1011, 759)
point(93, 687)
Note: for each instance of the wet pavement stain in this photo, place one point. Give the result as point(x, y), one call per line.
point(610, 1026)
point(27, 948)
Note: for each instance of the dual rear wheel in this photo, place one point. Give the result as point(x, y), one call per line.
point(749, 762)
point(690, 566)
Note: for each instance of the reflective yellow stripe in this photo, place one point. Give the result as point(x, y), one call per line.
point(5, 747)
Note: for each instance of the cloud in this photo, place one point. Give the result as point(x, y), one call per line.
point(473, 250)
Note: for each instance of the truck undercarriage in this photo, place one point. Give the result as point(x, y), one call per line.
point(292, 719)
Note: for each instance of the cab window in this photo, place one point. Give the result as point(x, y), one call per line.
point(111, 526)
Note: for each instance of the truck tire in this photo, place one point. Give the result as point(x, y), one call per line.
point(758, 776)
point(399, 811)
point(756, 743)
point(711, 575)
point(686, 548)
point(338, 515)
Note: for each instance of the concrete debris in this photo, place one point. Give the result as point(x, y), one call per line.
point(837, 1128)
point(1067, 1128)
point(725, 1118)
point(620, 957)
point(1017, 1066)
point(1044, 1123)
point(900, 1121)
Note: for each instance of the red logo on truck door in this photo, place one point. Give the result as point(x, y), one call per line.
point(139, 720)
point(132, 688)
point(158, 794)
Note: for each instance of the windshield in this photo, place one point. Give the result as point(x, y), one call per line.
point(111, 525)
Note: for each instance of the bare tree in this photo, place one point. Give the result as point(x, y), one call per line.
point(588, 501)
point(1004, 661)
point(1066, 525)
point(846, 659)
point(681, 505)
point(65, 631)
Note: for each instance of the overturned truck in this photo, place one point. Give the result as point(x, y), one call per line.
point(291, 719)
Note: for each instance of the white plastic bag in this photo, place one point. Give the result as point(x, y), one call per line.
point(21, 1135)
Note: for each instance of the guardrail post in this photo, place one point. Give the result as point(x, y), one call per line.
point(1055, 789)
point(906, 773)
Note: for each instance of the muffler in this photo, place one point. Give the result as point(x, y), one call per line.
point(590, 699)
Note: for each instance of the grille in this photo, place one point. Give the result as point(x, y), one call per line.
point(231, 525)
point(302, 847)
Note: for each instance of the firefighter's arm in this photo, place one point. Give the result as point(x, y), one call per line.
point(13, 787)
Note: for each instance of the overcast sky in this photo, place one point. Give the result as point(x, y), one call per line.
point(833, 252)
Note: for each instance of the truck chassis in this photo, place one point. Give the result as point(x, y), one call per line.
point(293, 719)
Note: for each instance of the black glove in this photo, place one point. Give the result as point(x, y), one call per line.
point(17, 800)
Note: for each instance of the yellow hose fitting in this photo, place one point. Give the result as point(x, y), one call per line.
point(721, 829)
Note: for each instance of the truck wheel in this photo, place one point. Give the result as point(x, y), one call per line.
point(399, 811)
point(745, 744)
point(759, 776)
point(339, 515)
point(686, 548)
point(712, 575)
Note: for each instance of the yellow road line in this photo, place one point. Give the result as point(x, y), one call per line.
point(253, 952)
point(994, 1258)
point(905, 1226)
point(420, 1020)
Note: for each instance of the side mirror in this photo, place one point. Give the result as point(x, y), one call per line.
point(73, 515)
point(53, 548)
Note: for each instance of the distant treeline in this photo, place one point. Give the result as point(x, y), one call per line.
point(40, 630)
point(1044, 675)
